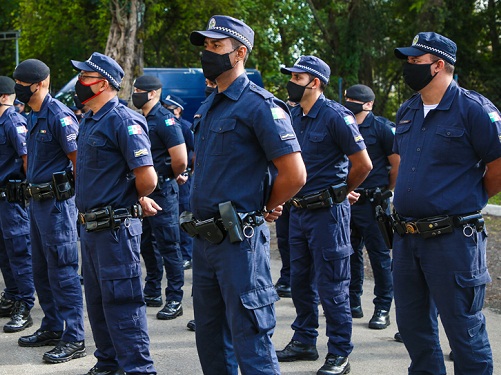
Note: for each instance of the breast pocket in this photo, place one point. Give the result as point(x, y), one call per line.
point(402, 137)
point(46, 146)
point(317, 143)
point(449, 143)
point(96, 155)
point(222, 135)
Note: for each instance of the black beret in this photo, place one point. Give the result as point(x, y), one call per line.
point(6, 85)
point(361, 93)
point(31, 71)
point(148, 83)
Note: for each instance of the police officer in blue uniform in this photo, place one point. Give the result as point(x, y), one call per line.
point(176, 105)
point(115, 168)
point(233, 292)
point(15, 249)
point(52, 151)
point(160, 240)
point(448, 141)
point(378, 134)
point(320, 216)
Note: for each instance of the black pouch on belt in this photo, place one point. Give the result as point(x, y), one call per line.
point(210, 231)
point(188, 223)
point(14, 191)
point(231, 221)
point(63, 185)
point(434, 226)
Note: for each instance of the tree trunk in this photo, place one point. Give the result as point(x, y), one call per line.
point(123, 43)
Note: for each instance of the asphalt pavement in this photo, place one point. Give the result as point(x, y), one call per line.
point(174, 352)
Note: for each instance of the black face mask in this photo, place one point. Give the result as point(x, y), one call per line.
point(139, 99)
point(84, 92)
point(418, 76)
point(209, 90)
point(296, 91)
point(23, 93)
point(77, 102)
point(214, 64)
point(354, 107)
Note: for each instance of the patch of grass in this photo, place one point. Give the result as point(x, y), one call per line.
point(495, 199)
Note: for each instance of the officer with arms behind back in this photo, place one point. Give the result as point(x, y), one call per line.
point(448, 141)
point(52, 152)
point(378, 134)
point(233, 291)
point(320, 216)
point(160, 239)
point(115, 168)
point(15, 248)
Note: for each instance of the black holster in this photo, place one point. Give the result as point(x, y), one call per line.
point(385, 226)
point(14, 191)
point(63, 184)
point(231, 221)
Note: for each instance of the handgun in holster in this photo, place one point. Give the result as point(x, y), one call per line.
point(63, 185)
point(385, 226)
point(339, 192)
point(231, 221)
point(188, 223)
point(380, 198)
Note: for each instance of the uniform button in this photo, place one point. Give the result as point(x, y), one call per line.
point(409, 189)
point(423, 129)
point(413, 169)
point(448, 133)
point(220, 129)
point(418, 149)
point(203, 138)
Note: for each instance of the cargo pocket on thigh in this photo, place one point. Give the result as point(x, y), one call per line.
point(260, 303)
point(121, 283)
point(473, 283)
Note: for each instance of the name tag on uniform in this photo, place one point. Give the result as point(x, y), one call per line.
point(404, 122)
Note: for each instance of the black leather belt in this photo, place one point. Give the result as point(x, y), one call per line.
point(107, 217)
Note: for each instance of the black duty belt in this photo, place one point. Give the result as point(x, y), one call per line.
point(108, 218)
point(61, 187)
point(229, 222)
point(434, 226)
point(376, 196)
point(326, 198)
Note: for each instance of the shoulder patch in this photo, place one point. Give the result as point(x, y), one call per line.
point(65, 121)
point(170, 122)
point(134, 129)
point(21, 129)
point(278, 113)
point(494, 116)
point(287, 136)
point(349, 120)
point(140, 152)
point(358, 138)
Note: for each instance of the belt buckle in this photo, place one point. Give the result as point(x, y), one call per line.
point(411, 228)
point(295, 203)
point(81, 218)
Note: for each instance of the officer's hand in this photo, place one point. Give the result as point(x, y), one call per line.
point(270, 217)
point(353, 197)
point(150, 207)
point(182, 178)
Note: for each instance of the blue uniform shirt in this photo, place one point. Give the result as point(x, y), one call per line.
point(379, 134)
point(237, 133)
point(443, 156)
point(188, 139)
point(52, 135)
point(112, 142)
point(12, 145)
point(327, 134)
point(165, 132)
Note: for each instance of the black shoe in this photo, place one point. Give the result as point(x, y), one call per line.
point(398, 337)
point(40, 338)
point(451, 356)
point(334, 365)
point(6, 306)
point(187, 264)
point(171, 310)
point(380, 319)
point(20, 318)
point(191, 325)
point(297, 351)
point(96, 371)
point(283, 290)
point(153, 301)
point(65, 351)
point(356, 312)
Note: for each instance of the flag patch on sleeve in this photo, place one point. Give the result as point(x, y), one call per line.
point(65, 121)
point(349, 120)
point(278, 113)
point(494, 116)
point(134, 129)
point(170, 121)
point(140, 152)
point(21, 129)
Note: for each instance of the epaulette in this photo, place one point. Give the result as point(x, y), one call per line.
point(476, 97)
point(56, 107)
point(259, 90)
